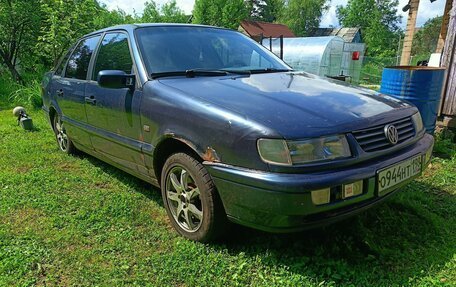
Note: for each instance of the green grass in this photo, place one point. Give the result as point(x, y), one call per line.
point(75, 221)
point(13, 94)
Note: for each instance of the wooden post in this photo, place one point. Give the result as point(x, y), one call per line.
point(449, 62)
point(409, 32)
point(444, 27)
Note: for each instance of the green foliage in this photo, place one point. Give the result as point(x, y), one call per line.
point(29, 95)
point(302, 16)
point(115, 17)
point(222, 13)
point(372, 69)
point(36, 33)
point(19, 26)
point(265, 10)
point(64, 23)
point(272, 10)
point(444, 145)
point(379, 23)
point(76, 221)
point(167, 13)
point(7, 87)
point(425, 40)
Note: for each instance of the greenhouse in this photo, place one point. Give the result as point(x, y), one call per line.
point(326, 56)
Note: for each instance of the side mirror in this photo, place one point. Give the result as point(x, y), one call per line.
point(115, 79)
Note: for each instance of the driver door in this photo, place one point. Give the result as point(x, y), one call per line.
point(114, 113)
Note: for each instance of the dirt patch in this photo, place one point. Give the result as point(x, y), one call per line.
point(65, 166)
point(25, 219)
point(103, 185)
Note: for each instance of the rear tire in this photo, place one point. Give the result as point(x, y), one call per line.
point(191, 199)
point(64, 142)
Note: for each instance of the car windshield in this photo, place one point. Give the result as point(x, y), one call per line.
point(169, 49)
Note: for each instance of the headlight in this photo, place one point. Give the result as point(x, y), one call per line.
point(300, 152)
point(325, 148)
point(417, 121)
point(274, 151)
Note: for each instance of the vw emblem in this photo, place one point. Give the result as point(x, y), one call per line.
point(391, 134)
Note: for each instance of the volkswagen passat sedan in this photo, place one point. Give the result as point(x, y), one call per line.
point(228, 131)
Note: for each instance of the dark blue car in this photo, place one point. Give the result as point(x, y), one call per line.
point(228, 131)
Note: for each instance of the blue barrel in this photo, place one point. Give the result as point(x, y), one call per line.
point(422, 86)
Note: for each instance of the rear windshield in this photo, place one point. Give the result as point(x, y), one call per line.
point(169, 49)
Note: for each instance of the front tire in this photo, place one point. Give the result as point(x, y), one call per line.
point(64, 142)
point(191, 199)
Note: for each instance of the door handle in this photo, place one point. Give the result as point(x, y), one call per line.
point(60, 93)
point(91, 100)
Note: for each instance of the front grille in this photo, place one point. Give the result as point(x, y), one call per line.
point(374, 139)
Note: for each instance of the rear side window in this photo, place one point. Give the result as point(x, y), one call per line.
point(113, 54)
point(78, 64)
point(59, 69)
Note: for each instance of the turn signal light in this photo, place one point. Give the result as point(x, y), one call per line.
point(321, 196)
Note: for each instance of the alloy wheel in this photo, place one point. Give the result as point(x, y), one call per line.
point(183, 199)
point(61, 135)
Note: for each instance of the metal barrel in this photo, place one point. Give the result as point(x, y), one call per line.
point(419, 85)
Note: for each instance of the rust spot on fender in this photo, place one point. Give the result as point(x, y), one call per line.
point(210, 155)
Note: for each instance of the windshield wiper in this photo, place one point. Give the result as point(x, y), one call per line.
point(202, 72)
point(269, 70)
point(195, 72)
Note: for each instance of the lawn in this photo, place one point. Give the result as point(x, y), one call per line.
point(74, 220)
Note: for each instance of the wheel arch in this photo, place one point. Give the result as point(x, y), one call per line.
point(52, 113)
point(168, 146)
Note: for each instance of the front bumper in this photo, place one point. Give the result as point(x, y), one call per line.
point(280, 202)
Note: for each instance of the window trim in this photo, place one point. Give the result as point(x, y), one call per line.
point(63, 75)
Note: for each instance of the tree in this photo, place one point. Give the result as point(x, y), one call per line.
point(65, 22)
point(151, 13)
point(108, 18)
point(36, 33)
point(272, 10)
point(223, 13)
point(171, 13)
point(255, 9)
point(19, 26)
point(302, 16)
point(425, 40)
point(167, 13)
point(265, 10)
point(378, 20)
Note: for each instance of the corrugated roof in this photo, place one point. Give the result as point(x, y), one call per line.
point(348, 34)
point(257, 28)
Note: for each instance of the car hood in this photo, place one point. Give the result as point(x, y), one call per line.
point(295, 105)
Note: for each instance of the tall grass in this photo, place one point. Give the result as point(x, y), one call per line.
point(29, 95)
point(14, 94)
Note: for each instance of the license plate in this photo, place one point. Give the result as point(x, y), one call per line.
point(394, 175)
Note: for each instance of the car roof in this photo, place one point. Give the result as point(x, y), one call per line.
point(132, 27)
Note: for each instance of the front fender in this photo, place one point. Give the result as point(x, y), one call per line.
point(215, 133)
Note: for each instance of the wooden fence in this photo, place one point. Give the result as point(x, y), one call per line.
point(449, 61)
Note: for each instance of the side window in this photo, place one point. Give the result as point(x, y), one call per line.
point(59, 69)
point(78, 64)
point(113, 54)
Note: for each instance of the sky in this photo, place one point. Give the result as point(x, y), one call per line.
point(426, 9)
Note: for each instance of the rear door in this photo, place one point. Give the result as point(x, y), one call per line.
point(69, 89)
point(115, 112)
